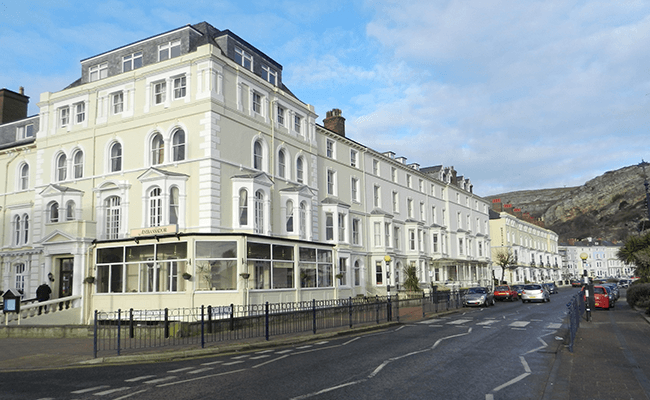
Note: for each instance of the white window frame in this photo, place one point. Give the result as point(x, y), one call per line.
point(97, 72)
point(169, 50)
point(80, 112)
point(117, 103)
point(159, 92)
point(132, 60)
point(269, 74)
point(179, 84)
point(242, 57)
point(64, 116)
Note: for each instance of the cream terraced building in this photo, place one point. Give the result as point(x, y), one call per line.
point(535, 248)
point(180, 171)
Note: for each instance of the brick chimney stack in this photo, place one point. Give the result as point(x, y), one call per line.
point(13, 106)
point(335, 122)
point(508, 208)
point(496, 205)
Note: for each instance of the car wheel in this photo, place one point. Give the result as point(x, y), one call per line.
point(493, 302)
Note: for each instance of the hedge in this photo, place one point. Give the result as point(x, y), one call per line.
point(638, 295)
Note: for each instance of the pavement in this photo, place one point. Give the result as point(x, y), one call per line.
point(610, 358)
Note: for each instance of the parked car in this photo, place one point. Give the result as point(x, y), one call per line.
point(623, 283)
point(613, 288)
point(505, 292)
point(478, 296)
point(602, 297)
point(552, 289)
point(535, 292)
point(519, 289)
point(576, 283)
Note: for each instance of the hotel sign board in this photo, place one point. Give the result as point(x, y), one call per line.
point(154, 230)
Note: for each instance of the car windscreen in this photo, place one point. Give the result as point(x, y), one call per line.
point(532, 287)
point(499, 288)
point(476, 291)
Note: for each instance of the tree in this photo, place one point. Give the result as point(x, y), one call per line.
point(636, 251)
point(505, 259)
point(411, 282)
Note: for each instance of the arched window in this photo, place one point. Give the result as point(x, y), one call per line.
point(61, 167)
point(25, 228)
point(69, 211)
point(303, 220)
point(282, 166)
point(24, 177)
point(78, 164)
point(259, 212)
point(112, 205)
point(174, 205)
point(17, 228)
point(178, 145)
point(243, 207)
point(155, 207)
point(157, 149)
point(257, 155)
point(300, 170)
point(289, 216)
point(116, 157)
point(53, 211)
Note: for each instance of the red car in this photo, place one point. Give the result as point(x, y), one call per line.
point(601, 297)
point(505, 292)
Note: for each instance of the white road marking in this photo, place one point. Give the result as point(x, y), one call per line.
point(525, 364)
point(233, 363)
point(92, 389)
point(305, 396)
point(240, 357)
point(111, 391)
point(198, 371)
point(510, 382)
point(283, 351)
point(519, 324)
point(212, 362)
point(429, 321)
point(323, 342)
point(553, 326)
point(139, 378)
point(458, 321)
point(263, 351)
point(173, 371)
point(487, 322)
point(201, 377)
point(260, 357)
point(167, 378)
point(130, 395)
point(435, 326)
point(304, 347)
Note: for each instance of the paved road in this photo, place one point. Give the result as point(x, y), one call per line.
point(501, 352)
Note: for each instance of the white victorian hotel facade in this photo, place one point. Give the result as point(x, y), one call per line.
point(180, 171)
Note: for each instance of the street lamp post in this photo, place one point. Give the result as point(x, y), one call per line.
point(588, 287)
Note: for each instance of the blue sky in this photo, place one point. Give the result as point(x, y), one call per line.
point(515, 95)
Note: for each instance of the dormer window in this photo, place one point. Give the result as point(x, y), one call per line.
point(169, 50)
point(244, 58)
point(26, 131)
point(269, 75)
point(132, 61)
point(97, 72)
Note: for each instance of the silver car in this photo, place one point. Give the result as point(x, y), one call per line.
point(535, 292)
point(478, 296)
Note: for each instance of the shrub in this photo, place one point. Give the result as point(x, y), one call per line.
point(638, 295)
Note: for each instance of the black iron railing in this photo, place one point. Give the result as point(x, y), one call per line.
point(125, 330)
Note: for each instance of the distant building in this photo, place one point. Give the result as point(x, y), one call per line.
point(179, 170)
point(535, 248)
point(602, 260)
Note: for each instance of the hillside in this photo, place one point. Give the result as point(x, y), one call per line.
point(610, 207)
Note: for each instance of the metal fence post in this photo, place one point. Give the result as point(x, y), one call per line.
point(377, 307)
point(350, 310)
point(202, 326)
point(313, 307)
point(166, 323)
point(131, 327)
point(209, 319)
point(424, 295)
point(267, 319)
point(119, 329)
point(232, 317)
point(95, 336)
point(397, 306)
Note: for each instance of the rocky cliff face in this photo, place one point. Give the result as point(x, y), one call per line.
point(610, 206)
